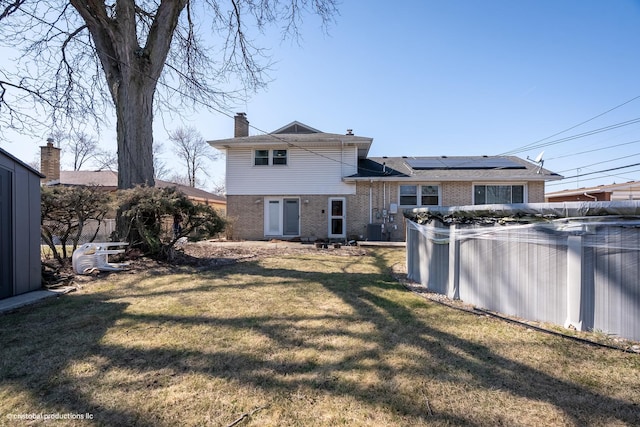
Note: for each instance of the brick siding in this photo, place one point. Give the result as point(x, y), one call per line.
point(247, 217)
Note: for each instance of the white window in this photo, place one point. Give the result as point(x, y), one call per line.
point(266, 157)
point(409, 195)
point(261, 158)
point(429, 195)
point(498, 194)
point(279, 157)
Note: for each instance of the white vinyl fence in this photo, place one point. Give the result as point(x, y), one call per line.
point(102, 231)
point(569, 264)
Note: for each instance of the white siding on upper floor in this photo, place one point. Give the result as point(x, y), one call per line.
point(308, 171)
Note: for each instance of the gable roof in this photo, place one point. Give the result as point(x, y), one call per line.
point(109, 180)
point(295, 127)
point(456, 168)
point(296, 134)
point(20, 162)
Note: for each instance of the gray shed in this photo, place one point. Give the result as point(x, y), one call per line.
point(20, 266)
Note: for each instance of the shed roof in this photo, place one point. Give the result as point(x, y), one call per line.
point(20, 162)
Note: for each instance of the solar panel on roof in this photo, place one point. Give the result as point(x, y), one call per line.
point(463, 163)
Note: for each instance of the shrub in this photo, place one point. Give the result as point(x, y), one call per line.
point(65, 211)
point(144, 210)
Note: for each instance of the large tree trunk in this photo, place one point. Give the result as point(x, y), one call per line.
point(134, 111)
point(132, 72)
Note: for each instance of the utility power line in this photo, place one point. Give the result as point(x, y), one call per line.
point(534, 144)
point(594, 150)
point(580, 175)
point(577, 136)
point(599, 163)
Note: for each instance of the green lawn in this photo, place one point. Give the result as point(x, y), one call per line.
point(305, 339)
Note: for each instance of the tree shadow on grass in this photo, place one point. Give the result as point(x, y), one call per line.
point(73, 329)
point(40, 341)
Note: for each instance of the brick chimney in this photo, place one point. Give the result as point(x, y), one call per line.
point(50, 161)
point(241, 125)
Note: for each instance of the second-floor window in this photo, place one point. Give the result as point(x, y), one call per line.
point(279, 157)
point(269, 157)
point(261, 158)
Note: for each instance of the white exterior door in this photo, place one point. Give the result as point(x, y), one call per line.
point(281, 217)
point(337, 217)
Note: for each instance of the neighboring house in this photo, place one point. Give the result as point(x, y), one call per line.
point(20, 266)
point(300, 183)
point(108, 180)
point(602, 193)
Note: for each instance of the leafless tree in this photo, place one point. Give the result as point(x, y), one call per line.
point(82, 57)
point(193, 150)
point(160, 168)
point(35, 163)
point(179, 179)
point(219, 188)
point(106, 160)
point(83, 148)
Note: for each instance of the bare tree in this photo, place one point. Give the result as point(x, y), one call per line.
point(179, 179)
point(83, 148)
point(81, 57)
point(160, 168)
point(219, 188)
point(193, 150)
point(106, 160)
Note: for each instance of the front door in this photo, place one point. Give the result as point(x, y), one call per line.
point(337, 218)
point(6, 258)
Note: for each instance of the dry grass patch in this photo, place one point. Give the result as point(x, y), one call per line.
point(298, 339)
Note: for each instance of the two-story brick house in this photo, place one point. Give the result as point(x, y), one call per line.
point(300, 183)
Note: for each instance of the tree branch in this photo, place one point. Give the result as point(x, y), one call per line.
point(11, 7)
point(160, 34)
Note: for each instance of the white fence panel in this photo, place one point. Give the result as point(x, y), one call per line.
point(572, 272)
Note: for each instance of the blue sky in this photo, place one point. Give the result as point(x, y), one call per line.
point(456, 77)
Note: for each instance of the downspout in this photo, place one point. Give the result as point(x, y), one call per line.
point(342, 157)
point(370, 201)
point(384, 195)
point(595, 198)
